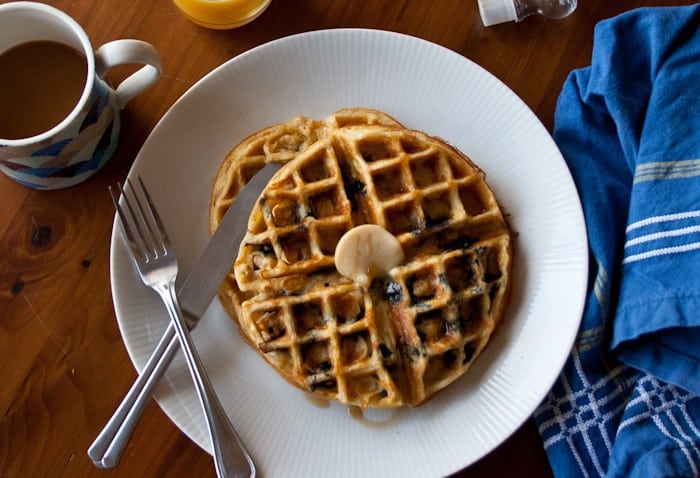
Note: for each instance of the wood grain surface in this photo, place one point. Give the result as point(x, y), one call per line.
point(65, 367)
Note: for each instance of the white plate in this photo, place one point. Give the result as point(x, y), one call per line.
point(424, 86)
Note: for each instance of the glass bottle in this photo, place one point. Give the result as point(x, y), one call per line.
point(499, 11)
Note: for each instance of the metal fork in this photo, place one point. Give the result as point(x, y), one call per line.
point(155, 261)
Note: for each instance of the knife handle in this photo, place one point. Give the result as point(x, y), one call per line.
point(108, 447)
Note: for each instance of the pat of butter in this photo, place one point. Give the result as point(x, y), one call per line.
point(366, 252)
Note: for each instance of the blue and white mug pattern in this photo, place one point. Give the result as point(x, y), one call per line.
point(73, 154)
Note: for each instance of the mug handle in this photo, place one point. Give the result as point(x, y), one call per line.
point(120, 52)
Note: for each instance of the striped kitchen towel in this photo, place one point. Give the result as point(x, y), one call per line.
point(626, 403)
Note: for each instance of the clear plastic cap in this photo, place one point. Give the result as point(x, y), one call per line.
point(497, 11)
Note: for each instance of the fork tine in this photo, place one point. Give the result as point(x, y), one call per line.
point(134, 239)
point(143, 224)
point(154, 218)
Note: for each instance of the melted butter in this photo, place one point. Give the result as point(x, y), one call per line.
point(367, 251)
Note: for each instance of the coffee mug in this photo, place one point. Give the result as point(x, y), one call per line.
point(59, 118)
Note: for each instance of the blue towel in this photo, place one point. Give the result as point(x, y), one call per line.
point(626, 403)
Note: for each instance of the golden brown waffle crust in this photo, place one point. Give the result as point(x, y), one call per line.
point(279, 143)
point(408, 335)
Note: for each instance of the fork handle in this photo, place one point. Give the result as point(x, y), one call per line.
point(231, 459)
point(107, 449)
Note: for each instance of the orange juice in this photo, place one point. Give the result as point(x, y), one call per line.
point(222, 14)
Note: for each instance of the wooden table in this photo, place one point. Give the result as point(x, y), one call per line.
point(64, 365)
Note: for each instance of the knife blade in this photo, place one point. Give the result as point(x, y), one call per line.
point(195, 295)
point(205, 277)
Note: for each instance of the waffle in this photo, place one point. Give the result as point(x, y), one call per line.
point(279, 143)
point(408, 334)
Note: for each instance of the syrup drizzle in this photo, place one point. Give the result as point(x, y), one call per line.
point(371, 418)
point(317, 401)
point(375, 418)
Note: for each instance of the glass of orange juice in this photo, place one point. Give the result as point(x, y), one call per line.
point(222, 14)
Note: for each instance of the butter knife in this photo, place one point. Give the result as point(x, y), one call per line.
point(195, 295)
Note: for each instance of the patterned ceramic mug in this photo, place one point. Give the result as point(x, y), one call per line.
point(82, 141)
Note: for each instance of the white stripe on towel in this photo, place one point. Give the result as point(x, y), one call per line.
point(664, 251)
point(660, 235)
point(655, 243)
point(664, 218)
